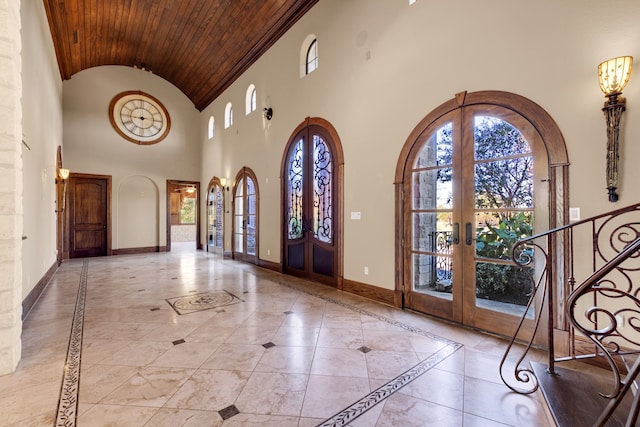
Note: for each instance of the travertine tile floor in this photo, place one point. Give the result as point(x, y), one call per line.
point(272, 351)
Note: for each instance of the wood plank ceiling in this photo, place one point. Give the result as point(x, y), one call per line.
point(201, 46)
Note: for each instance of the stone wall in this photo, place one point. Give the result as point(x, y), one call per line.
point(10, 186)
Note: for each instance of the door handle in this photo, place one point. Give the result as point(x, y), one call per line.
point(456, 233)
point(468, 237)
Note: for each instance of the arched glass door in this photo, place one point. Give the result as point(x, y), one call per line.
point(245, 216)
point(311, 199)
point(477, 182)
point(215, 216)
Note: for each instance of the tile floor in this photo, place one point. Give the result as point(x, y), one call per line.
point(188, 339)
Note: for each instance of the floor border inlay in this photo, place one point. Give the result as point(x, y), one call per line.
point(67, 413)
point(358, 408)
point(353, 411)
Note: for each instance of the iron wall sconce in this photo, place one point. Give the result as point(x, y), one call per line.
point(268, 113)
point(614, 75)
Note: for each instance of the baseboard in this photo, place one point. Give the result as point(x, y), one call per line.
point(375, 293)
point(142, 250)
point(270, 265)
point(31, 299)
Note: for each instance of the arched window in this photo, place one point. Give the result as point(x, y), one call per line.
point(474, 176)
point(211, 127)
point(228, 115)
point(312, 56)
point(308, 55)
point(250, 104)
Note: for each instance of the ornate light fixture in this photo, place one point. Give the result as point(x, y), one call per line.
point(63, 174)
point(614, 75)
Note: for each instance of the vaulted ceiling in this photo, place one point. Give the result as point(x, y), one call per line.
point(201, 46)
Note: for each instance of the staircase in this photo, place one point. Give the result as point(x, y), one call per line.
point(587, 303)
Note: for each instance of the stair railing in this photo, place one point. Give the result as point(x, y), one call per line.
point(604, 252)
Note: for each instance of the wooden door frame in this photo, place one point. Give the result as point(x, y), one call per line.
point(66, 220)
point(558, 172)
point(215, 181)
point(243, 173)
point(196, 184)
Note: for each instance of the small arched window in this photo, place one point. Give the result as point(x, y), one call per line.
point(308, 55)
point(211, 128)
point(251, 99)
point(312, 56)
point(228, 116)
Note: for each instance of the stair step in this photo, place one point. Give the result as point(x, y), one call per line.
point(572, 395)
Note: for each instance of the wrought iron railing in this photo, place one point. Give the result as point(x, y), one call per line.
point(587, 290)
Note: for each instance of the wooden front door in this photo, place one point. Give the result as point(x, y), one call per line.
point(310, 206)
point(88, 215)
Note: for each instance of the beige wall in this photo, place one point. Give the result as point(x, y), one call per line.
point(384, 65)
point(93, 146)
point(42, 130)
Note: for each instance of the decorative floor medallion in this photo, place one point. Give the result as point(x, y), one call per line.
point(202, 301)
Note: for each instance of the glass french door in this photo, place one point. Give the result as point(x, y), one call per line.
point(476, 183)
point(245, 217)
point(215, 217)
point(310, 247)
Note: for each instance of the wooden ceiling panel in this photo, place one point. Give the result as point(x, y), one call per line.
point(199, 46)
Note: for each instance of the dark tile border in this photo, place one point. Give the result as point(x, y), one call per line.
point(68, 403)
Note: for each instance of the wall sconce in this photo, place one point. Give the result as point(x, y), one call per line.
point(614, 75)
point(223, 182)
point(63, 174)
point(268, 113)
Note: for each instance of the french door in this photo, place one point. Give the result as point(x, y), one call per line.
point(310, 197)
point(215, 216)
point(474, 184)
point(245, 217)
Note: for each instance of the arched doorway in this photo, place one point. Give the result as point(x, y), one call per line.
point(312, 203)
point(478, 173)
point(245, 216)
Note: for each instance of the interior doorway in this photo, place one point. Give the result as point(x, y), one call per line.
point(183, 214)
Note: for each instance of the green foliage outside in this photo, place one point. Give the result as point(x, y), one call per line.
point(188, 211)
point(506, 283)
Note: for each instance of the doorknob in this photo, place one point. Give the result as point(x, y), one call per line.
point(467, 232)
point(456, 233)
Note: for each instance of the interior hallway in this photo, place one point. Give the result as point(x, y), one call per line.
point(250, 347)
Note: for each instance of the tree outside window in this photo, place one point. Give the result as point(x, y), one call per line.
point(188, 211)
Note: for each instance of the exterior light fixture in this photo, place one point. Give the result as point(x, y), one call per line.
point(614, 75)
point(268, 113)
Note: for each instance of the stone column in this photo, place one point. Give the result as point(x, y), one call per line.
point(10, 186)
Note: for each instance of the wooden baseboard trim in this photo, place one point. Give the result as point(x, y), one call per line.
point(142, 250)
point(270, 265)
point(31, 299)
point(375, 293)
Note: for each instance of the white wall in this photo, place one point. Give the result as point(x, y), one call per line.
point(93, 146)
point(384, 65)
point(42, 130)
